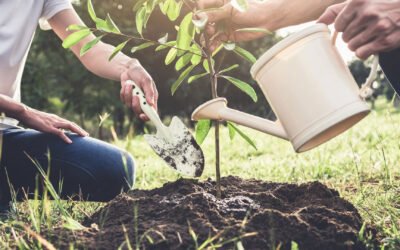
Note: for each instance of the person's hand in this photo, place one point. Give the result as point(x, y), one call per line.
point(223, 11)
point(139, 75)
point(368, 26)
point(49, 123)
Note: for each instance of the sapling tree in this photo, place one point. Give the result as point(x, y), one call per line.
point(190, 50)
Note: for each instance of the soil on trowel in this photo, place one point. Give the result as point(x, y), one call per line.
point(252, 213)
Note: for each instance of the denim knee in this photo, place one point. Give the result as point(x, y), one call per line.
point(129, 170)
point(122, 176)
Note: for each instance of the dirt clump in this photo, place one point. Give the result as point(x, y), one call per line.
point(251, 213)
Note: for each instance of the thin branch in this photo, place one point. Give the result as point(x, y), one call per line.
point(220, 63)
point(201, 48)
point(130, 37)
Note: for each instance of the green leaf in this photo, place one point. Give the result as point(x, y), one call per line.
point(140, 16)
point(166, 46)
point(215, 52)
point(91, 11)
point(195, 77)
point(142, 46)
point(205, 65)
point(101, 24)
point(111, 25)
point(90, 45)
point(138, 5)
point(245, 54)
point(164, 6)
point(163, 39)
point(107, 25)
point(232, 131)
point(243, 86)
point(255, 30)
point(240, 5)
point(146, 17)
point(182, 77)
point(229, 46)
point(170, 56)
point(235, 66)
point(202, 129)
point(196, 58)
point(243, 135)
point(174, 9)
point(183, 61)
point(185, 34)
point(75, 38)
point(75, 27)
point(150, 4)
point(117, 49)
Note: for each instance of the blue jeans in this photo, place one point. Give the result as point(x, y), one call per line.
point(87, 169)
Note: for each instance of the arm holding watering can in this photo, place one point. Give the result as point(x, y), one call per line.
point(368, 26)
point(270, 15)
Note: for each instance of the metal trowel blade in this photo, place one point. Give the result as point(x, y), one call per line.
point(180, 151)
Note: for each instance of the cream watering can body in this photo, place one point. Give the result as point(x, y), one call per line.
point(309, 88)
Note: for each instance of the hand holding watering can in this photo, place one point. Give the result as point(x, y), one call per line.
point(308, 86)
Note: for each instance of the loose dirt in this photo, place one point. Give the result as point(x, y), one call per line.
point(252, 213)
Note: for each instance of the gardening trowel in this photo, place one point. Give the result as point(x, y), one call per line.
point(175, 144)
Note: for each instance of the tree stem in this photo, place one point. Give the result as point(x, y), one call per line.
point(214, 93)
point(217, 160)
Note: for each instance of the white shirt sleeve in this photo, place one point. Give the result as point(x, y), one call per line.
point(50, 8)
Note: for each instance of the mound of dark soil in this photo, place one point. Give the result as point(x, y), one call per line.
point(255, 214)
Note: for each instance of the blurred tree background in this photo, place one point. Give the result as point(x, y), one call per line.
point(55, 81)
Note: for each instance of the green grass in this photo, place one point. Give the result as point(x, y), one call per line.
point(362, 164)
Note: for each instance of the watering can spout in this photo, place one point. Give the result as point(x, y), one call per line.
point(216, 109)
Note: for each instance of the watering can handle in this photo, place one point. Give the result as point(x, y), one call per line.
point(366, 88)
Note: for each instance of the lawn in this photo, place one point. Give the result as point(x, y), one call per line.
point(362, 164)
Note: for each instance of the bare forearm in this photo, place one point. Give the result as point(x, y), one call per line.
point(122, 68)
point(11, 107)
point(283, 13)
point(96, 61)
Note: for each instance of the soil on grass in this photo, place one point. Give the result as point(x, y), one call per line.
point(253, 213)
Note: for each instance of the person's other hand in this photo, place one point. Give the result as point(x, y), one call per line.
point(223, 11)
point(139, 75)
point(49, 123)
point(368, 26)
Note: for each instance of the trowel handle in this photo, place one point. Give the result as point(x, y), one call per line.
point(147, 108)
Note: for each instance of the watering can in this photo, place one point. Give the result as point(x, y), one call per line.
point(308, 86)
